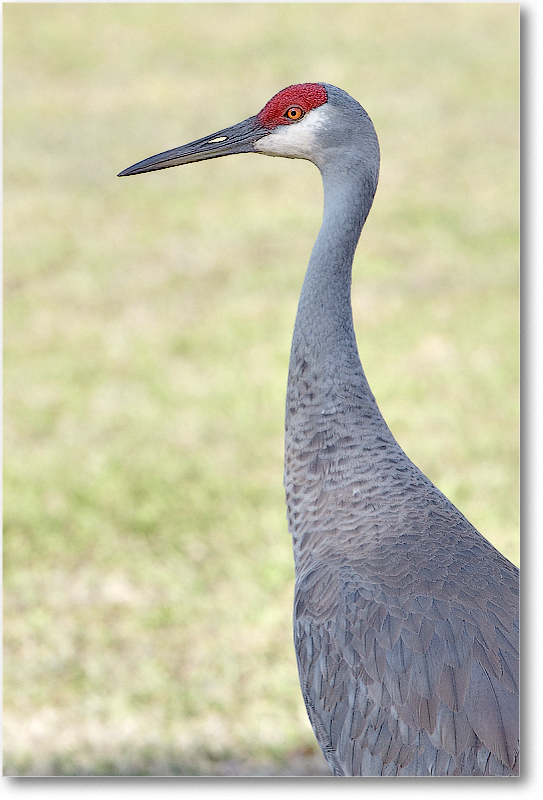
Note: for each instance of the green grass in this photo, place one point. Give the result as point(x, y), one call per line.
point(147, 567)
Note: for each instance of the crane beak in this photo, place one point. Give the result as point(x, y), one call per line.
point(239, 138)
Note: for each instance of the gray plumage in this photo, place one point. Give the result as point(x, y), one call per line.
point(405, 617)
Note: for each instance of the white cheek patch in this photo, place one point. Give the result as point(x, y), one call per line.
point(294, 141)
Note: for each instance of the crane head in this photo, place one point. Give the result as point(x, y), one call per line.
point(287, 126)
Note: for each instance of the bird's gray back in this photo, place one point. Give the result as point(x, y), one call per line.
point(405, 616)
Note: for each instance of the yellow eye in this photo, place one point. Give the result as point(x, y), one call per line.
point(293, 113)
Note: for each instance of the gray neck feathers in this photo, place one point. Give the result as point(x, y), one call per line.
point(324, 338)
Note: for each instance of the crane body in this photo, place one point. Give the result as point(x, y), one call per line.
point(405, 617)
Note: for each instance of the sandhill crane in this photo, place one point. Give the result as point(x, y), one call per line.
point(405, 617)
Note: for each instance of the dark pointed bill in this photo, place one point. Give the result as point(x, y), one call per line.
point(239, 138)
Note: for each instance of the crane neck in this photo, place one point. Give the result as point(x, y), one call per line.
point(324, 326)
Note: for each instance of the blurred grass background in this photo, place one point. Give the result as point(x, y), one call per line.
point(147, 566)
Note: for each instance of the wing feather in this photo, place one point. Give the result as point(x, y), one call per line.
point(418, 688)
